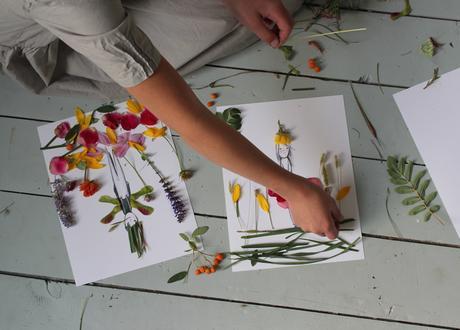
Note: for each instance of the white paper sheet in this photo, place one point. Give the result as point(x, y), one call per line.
point(433, 118)
point(318, 125)
point(94, 252)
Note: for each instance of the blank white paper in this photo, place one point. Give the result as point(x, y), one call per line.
point(433, 118)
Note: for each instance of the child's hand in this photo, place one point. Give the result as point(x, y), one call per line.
point(312, 209)
point(257, 15)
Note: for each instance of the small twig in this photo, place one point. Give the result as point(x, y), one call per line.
point(390, 218)
point(6, 209)
point(334, 33)
point(435, 77)
point(213, 84)
point(378, 78)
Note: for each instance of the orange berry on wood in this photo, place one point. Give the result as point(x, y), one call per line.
point(208, 271)
point(219, 256)
point(317, 69)
point(210, 103)
point(213, 96)
point(197, 272)
point(213, 269)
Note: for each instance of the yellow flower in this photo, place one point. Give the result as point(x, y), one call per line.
point(283, 138)
point(155, 132)
point(83, 160)
point(83, 120)
point(134, 106)
point(111, 135)
point(136, 146)
point(235, 190)
point(263, 203)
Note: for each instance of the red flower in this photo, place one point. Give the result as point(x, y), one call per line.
point(62, 129)
point(111, 120)
point(59, 165)
point(88, 137)
point(129, 121)
point(148, 118)
point(89, 188)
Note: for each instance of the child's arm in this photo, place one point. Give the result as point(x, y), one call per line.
point(172, 100)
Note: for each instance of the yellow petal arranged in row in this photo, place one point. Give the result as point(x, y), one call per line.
point(134, 106)
point(263, 202)
point(137, 146)
point(111, 135)
point(155, 132)
point(236, 192)
point(342, 193)
point(83, 120)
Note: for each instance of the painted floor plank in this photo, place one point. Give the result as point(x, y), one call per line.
point(397, 280)
point(39, 305)
point(401, 61)
point(446, 9)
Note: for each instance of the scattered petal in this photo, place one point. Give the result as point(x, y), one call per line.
point(59, 165)
point(148, 118)
point(62, 129)
point(129, 121)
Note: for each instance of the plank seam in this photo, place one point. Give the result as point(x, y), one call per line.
point(233, 301)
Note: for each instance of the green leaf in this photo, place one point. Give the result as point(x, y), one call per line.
point(192, 245)
point(293, 70)
point(417, 210)
point(404, 190)
point(428, 47)
point(435, 208)
point(402, 164)
point(409, 169)
point(106, 108)
point(430, 197)
point(72, 133)
point(288, 52)
point(254, 259)
point(200, 231)
point(81, 165)
point(393, 174)
point(422, 188)
point(427, 216)
point(184, 237)
point(177, 277)
point(398, 181)
point(410, 200)
point(417, 178)
point(392, 163)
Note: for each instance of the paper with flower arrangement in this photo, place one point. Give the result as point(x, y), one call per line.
point(308, 137)
point(114, 175)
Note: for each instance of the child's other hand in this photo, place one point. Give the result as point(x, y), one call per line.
point(257, 15)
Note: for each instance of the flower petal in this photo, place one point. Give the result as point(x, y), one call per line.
point(148, 118)
point(104, 139)
point(88, 137)
point(112, 135)
point(134, 106)
point(58, 165)
point(62, 129)
point(120, 149)
point(129, 121)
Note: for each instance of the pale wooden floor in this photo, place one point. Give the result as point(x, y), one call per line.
point(406, 282)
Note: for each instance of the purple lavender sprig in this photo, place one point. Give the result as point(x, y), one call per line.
point(63, 205)
point(178, 206)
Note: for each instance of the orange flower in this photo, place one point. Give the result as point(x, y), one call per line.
point(89, 188)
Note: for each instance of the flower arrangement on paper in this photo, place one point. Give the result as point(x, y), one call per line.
point(88, 149)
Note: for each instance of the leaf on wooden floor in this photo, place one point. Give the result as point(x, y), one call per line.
point(435, 77)
point(401, 175)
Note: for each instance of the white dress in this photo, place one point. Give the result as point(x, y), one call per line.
point(96, 47)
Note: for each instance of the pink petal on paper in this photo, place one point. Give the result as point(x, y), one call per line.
point(120, 150)
point(137, 138)
point(148, 118)
point(62, 129)
point(103, 138)
point(111, 120)
point(58, 165)
point(88, 137)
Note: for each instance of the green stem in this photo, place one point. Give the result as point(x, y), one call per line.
point(54, 147)
point(135, 170)
point(50, 141)
point(73, 149)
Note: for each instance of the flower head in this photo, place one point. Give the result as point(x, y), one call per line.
point(121, 143)
point(83, 120)
point(62, 129)
point(148, 118)
point(88, 137)
point(89, 188)
point(155, 132)
point(88, 158)
point(112, 119)
point(282, 136)
point(129, 121)
point(59, 165)
point(134, 106)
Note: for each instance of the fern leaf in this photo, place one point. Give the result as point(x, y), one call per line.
point(411, 200)
point(423, 186)
point(417, 178)
point(417, 209)
point(404, 190)
point(430, 197)
point(408, 171)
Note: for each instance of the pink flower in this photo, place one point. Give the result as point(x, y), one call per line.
point(129, 121)
point(111, 119)
point(88, 137)
point(62, 129)
point(148, 118)
point(282, 202)
point(58, 165)
point(123, 142)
